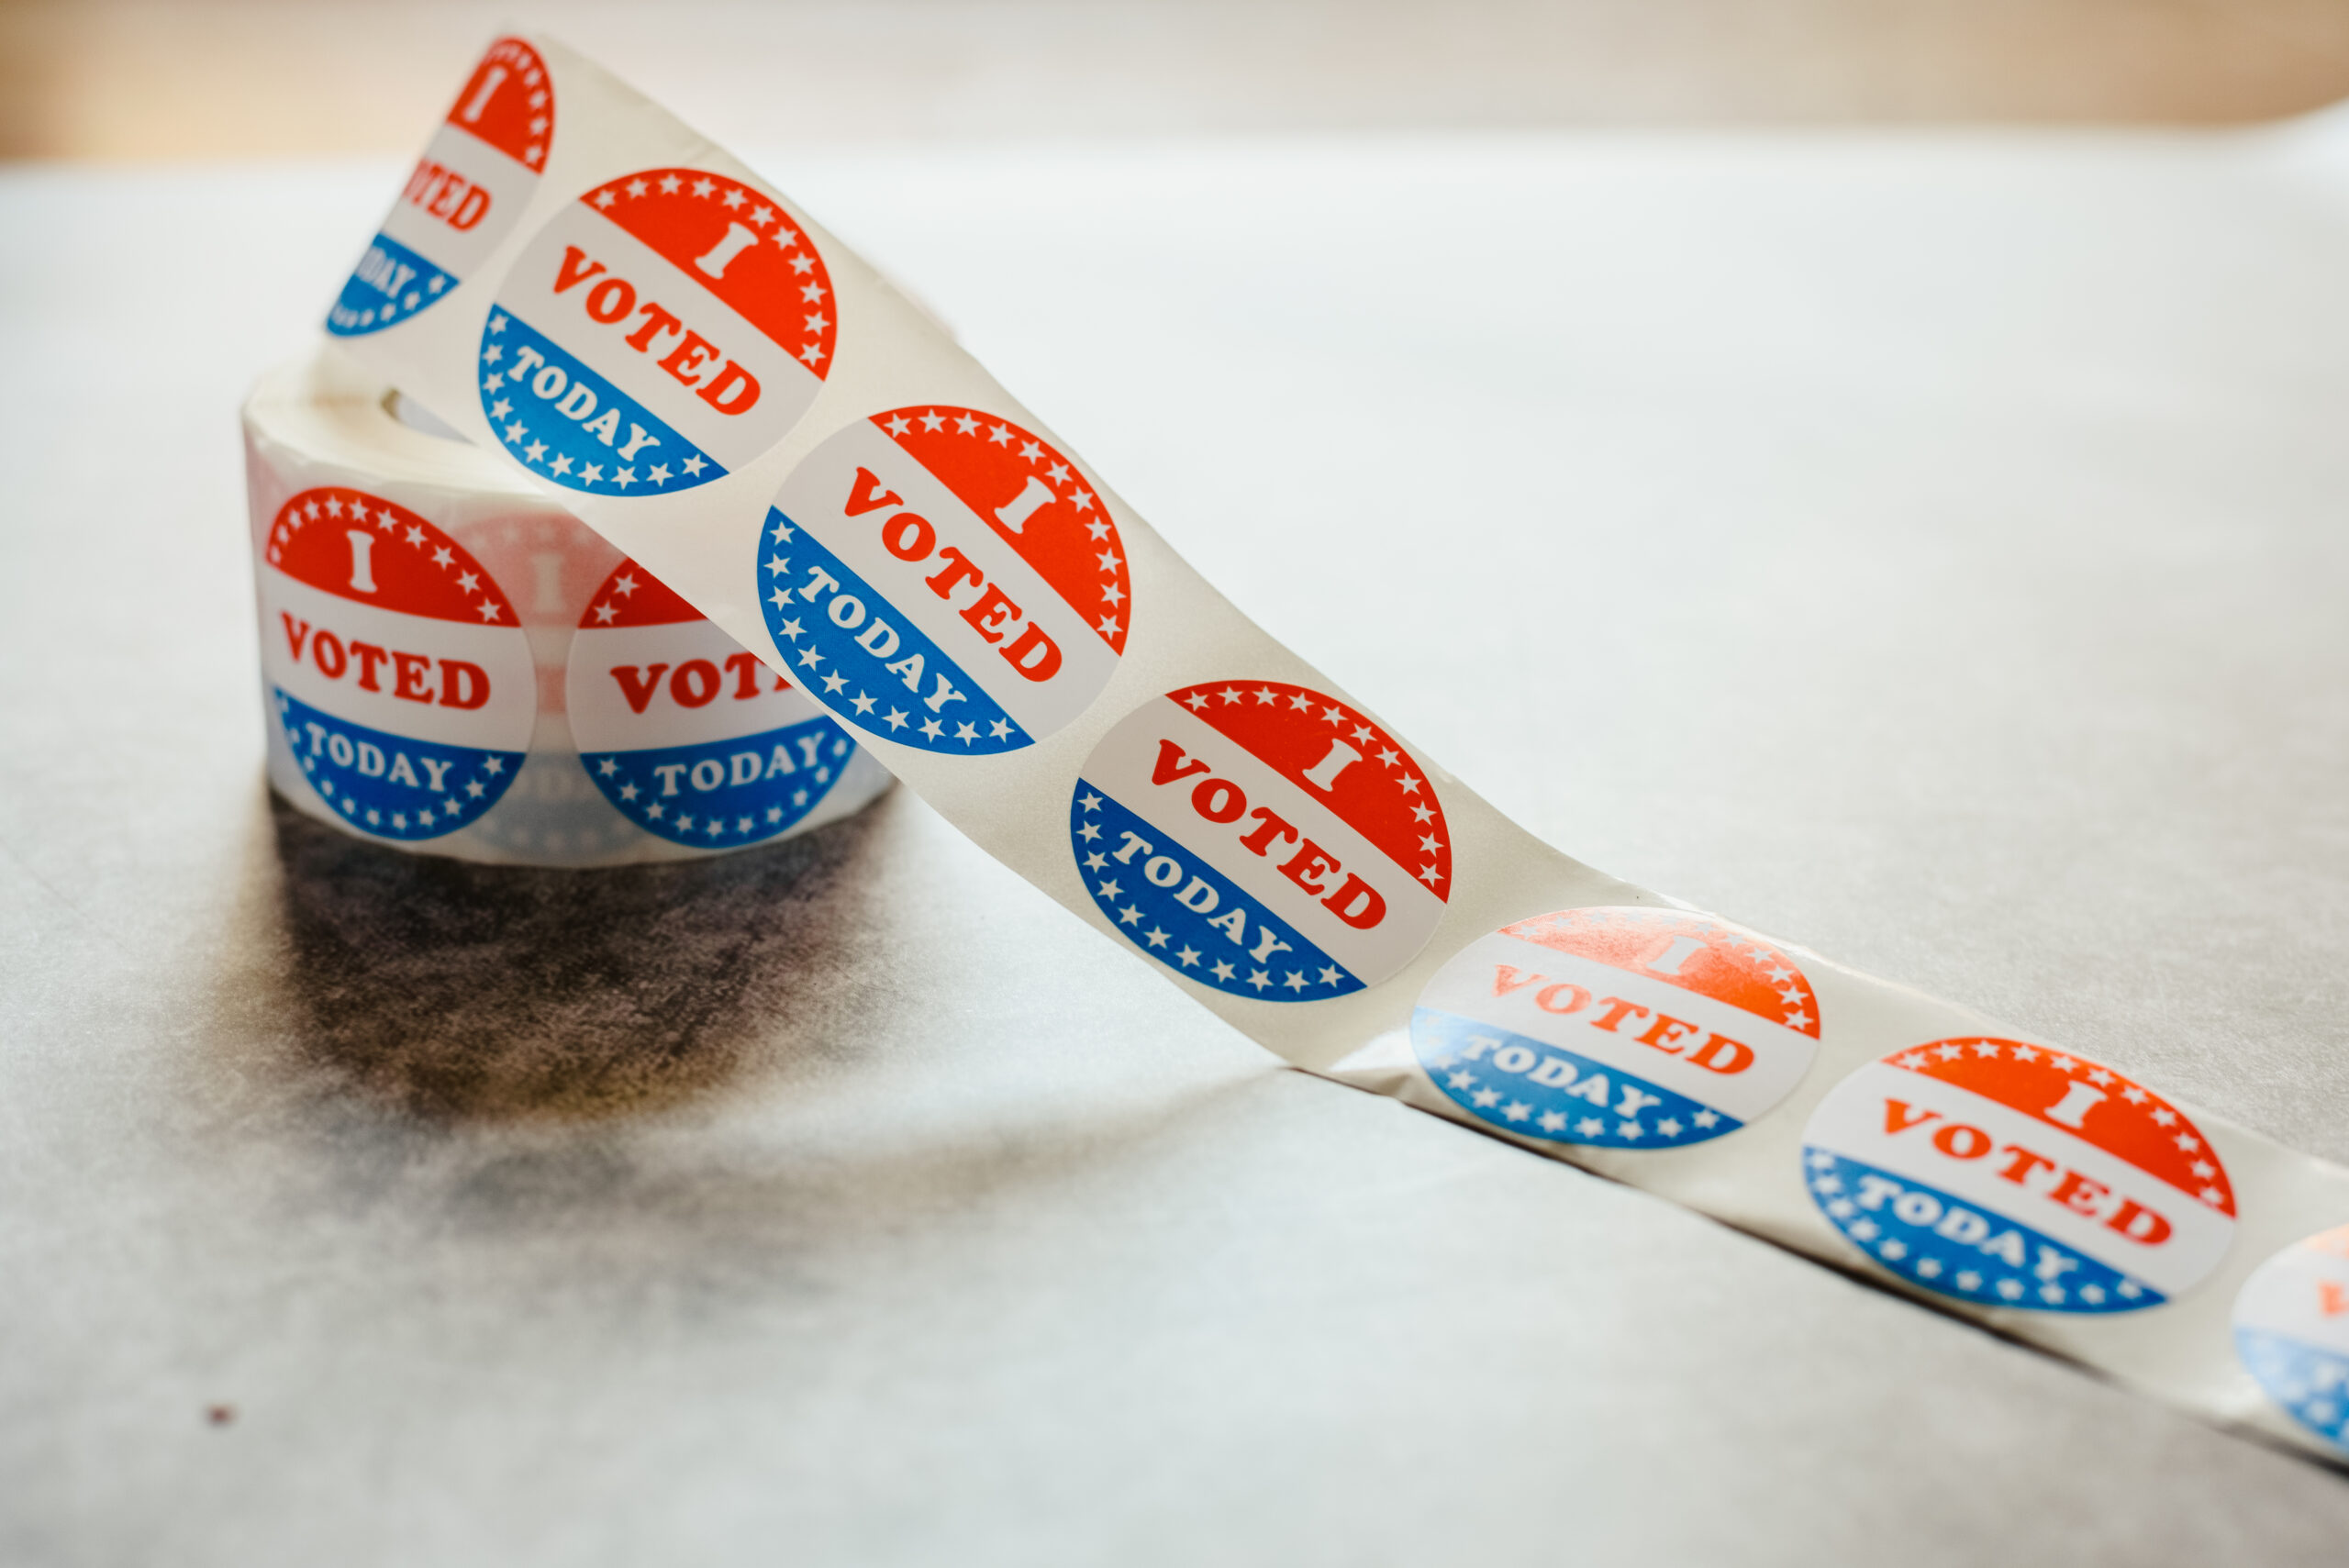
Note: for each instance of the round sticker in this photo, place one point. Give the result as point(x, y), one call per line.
point(946, 579)
point(2292, 1331)
point(1261, 839)
point(1628, 1028)
point(687, 732)
point(2011, 1175)
point(664, 329)
point(397, 666)
point(468, 190)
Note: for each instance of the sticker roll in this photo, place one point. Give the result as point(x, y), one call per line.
point(630, 321)
point(453, 664)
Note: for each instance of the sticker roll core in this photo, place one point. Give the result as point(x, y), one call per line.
point(453, 664)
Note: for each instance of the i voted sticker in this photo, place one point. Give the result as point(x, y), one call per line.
point(2010, 1175)
point(397, 667)
point(946, 579)
point(468, 191)
point(1261, 839)
point(663, 329)
point(687, 734)
point(2291, 1322)
point(1623, 1028)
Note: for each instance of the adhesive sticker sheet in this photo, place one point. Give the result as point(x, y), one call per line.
point(648, 332)
point(453, 664)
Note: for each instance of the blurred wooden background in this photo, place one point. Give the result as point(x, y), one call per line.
point(202, 78)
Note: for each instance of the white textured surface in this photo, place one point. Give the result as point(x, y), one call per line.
point(1927, 550)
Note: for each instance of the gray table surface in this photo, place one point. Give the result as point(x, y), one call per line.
point(1928, 548)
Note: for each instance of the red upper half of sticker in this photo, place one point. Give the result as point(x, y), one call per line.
point(508, 102)
point(2085, 1099)
point(633, 597)
point(736, 242)
point(1337, 756)
point(372, 551)
point(1033, 496)
point(1709, 957)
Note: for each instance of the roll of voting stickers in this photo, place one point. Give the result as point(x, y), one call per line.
point(433, 631)
point(892, 549)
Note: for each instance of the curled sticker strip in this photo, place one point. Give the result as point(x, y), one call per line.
point(752, 415)
point(453, 665)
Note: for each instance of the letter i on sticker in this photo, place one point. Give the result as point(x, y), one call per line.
point(465, 194)
point(397, 667)
point(662, 330)
point(684, 731)
point(1622, 1028)
point(1263, 840)
point(2291, 1323)
point(2009, 1174)
point(945, 579)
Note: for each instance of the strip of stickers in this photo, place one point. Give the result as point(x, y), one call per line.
point(791, 450)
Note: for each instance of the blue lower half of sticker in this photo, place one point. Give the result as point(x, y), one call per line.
point(567, 424)
point(388, 784)
point(1521, 1084)
point(390, 283)
point(720, 795)
point(1181, 911)
point(862, 657)
point(2309, 1381)
point(1961, 1249)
